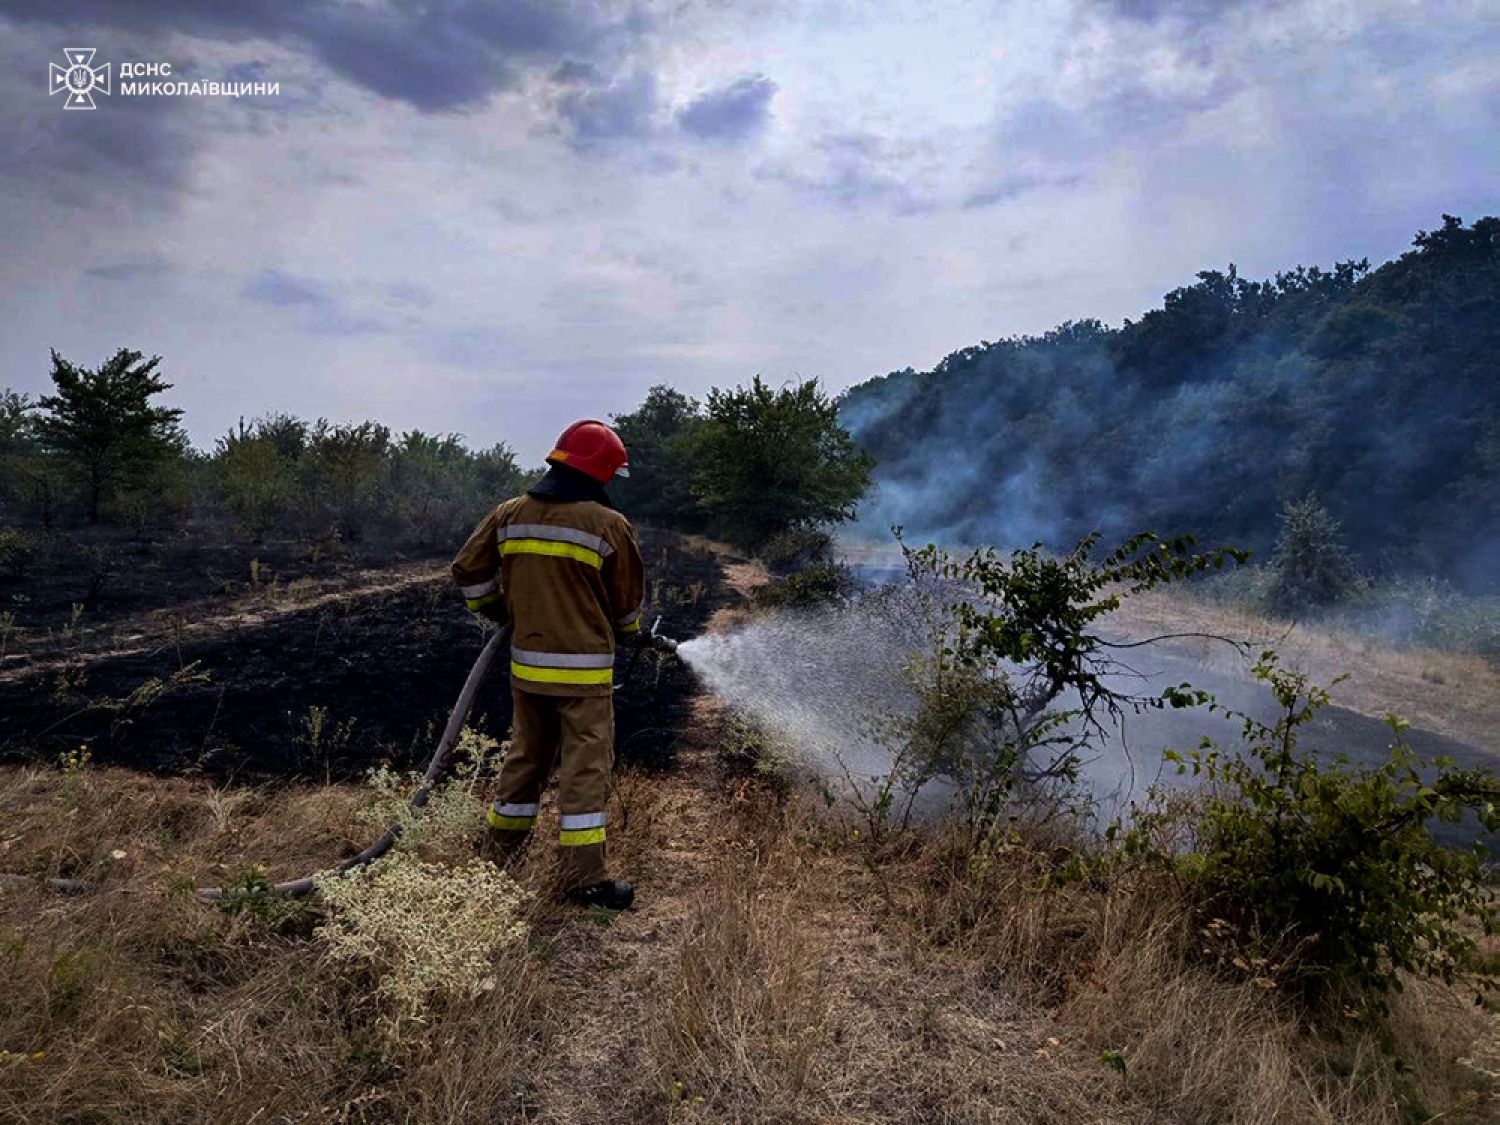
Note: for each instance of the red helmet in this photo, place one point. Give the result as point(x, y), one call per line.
point(593, 448)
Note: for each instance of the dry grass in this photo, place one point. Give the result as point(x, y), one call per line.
point(1118, 965)
point(777, 971)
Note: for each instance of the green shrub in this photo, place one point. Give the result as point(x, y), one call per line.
point(814, 585)
point(17, 549)
point(1312, 568)
point(797, 548)
point(1331, 869)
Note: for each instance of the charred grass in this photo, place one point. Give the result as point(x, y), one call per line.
point(273, 676)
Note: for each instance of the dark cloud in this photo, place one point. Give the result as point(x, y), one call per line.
point(731, 113)
point(1012, 187)
point(436, 55)
point(855, 170)
point(315, 308)
point(622, 110)
point(129, 151)
point(1191, 12)
point(272, 287)
point(130, 269)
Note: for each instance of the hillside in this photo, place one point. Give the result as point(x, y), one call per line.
point(1378, 390)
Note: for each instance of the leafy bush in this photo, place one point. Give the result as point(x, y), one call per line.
point(658, 434)
point(257, 481)
point(1312, 567)
point(1333, 869)
point(796, 548)
point(766, 461)
point(813, 585)
point(1001, 639)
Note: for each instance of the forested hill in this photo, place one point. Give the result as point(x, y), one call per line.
point(1379, 391)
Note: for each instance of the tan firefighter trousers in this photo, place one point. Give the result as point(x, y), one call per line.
point(581, 729)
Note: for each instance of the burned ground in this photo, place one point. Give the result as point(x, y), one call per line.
point(191, 660)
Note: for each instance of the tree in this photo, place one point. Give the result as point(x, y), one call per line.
point(1312, 567)
point(17, 444)
point(347, 464)
point(258, 482)
point(769, 460)
point(658, 434)
point(103, 425)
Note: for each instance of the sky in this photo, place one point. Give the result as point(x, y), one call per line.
point(491, 218)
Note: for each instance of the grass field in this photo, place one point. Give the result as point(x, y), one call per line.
point(780, 968)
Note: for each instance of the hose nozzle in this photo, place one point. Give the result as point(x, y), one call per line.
point(659, 642)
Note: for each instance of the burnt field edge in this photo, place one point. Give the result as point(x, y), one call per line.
point(329, 691)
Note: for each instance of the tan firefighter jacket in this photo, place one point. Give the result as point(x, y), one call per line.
point(571, 578)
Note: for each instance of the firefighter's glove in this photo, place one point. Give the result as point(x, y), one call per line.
point(495, 614)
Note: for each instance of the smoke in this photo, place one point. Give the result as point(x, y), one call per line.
point(1207, 414)
point(822, 682)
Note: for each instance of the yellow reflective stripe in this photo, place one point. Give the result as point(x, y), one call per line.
point(551, 547)
point(633, 627)
point(562, 675)
point(578, 837)
point(479, 603)
point(513, 823)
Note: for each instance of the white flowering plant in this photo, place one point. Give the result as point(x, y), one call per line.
point(447, 826)
point(427, 929)
point(428, 918)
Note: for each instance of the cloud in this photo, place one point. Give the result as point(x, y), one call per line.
point(1015, 186)
point(272, 287)
point(130, 269)
point(319, 311)
point(732, 113)
point(854, 170)
point(444, 55)
point(618, 111)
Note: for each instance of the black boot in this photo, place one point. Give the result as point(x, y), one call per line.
point(612, 894)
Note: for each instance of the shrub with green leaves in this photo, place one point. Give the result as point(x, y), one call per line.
point(1311, 567)
point(1331, 868)
point(813, 585)
point(797, 548)
point(1001, 639)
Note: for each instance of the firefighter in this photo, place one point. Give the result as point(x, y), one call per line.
point(563, 567)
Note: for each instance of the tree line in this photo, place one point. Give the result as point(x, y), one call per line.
point(748, 464)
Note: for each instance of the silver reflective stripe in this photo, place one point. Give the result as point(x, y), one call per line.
point(556, 534)
point(572, 822)
point(563, 659)
point(480, 590)
point(633, 615)
point(514, 810)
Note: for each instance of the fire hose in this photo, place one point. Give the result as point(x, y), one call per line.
point(437, 765)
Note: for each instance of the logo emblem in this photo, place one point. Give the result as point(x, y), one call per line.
point(78, 79)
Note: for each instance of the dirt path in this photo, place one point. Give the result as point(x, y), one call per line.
point(755, 979)
point(614, 975)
